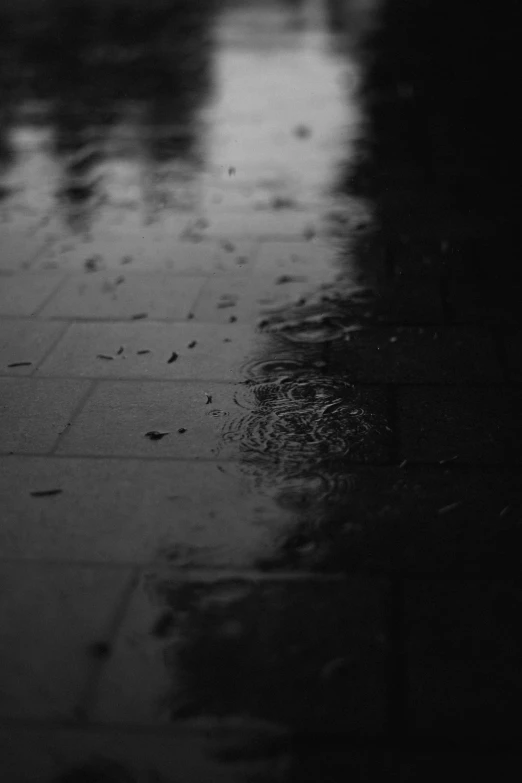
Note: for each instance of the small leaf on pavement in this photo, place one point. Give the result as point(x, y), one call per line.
point(155, 434)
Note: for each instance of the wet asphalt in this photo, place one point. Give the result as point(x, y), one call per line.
point(260, 374)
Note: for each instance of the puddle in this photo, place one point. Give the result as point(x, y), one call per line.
point(297, 419)
point(329, 313)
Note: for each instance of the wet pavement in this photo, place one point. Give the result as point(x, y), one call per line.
point(260, 392)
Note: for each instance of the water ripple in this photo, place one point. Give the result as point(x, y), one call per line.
point(292, 420)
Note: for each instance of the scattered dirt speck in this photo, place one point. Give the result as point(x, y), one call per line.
point(93, 264)
point(302, 131)
point(100, 650)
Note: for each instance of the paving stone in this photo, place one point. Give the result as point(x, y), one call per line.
point(34, 412)
point(442, 519)
point(93, 518)
point(188, 520)
point(416, 355)
point(513, 349)
point(200, 756)
point(435, 423)
point(24, 294)
point(476, 293)
point(123, 511)
point(313, 259)
point(233, 255)
point(220, 353)
point(25, 343)
point(118, 415)
point(124, 295)
point(414, 259)
point(246, 299)
point(18, 249)
point(471, 302)
point(431, 767)
point(147, 251)
point(261, 224)
point(411, 302)
point(275, 651)
point(338, 761)
point(473, 258)
point(50, 615)
point(463, 647)
point(236, 424)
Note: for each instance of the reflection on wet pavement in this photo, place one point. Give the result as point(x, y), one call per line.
point(244, 348)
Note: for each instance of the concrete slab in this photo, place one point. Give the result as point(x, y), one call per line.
point(124, 296)
point(176, 351)
point(424, 354)
point(25, 294)
point(35, 412)
point(123, 251)
point(234, 425)
point(437, 423)
point(245, 299)
point(24, 343)
point(199, 756)
point(129, 511)
point(50, 616)
point(453, 643)
point(276, 650)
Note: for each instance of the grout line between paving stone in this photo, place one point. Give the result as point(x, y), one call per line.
point(49, 351)
point(87, 701)
point(136, 457)
point(47, 299)
point(380, 326)
point(197, 299)
point(340, 462)
point(493, 384)
point(74, 413)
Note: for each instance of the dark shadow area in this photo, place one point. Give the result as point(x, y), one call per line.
point(440, 521)
point(438, 166)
